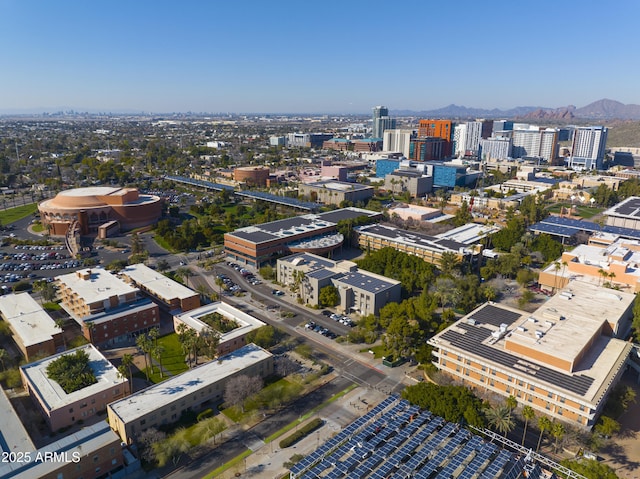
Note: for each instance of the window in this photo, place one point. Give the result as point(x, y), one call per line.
point(114, 462)
point(143, 422)
point(70, 409)
point(96, 458)
point(84, 404)
point(507, 390)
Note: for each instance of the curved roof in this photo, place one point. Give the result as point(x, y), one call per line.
point(81, 197)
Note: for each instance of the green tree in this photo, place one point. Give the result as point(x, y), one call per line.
point(145, 345)
point(590, 468)
point(453, 403)
point(59, 322)
point(449, 263)
point(209, 428)
point(463, 215)
point(3, 356)
point(499, 418)
point(607, 426)
point(557, 431)
point(329, 296)
point(528, 414)
point(544, 424)
point(127, 363)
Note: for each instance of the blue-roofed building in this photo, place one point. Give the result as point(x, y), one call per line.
point(385, 166)
point(360, 291)
point(449, 175)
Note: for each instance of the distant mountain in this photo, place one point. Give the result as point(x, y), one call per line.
point(457, 111)
point(608, 109)
point(598, 110)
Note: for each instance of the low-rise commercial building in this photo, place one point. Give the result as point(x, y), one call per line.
point(229, 341)
point(61, 409)
point(34, 331)
point(563, 360)
point(164, 403)
point(411, 181)
point(336, 192)
point(625, 214)
point(107, 308)
point(165, 291)
point(317, 233)
point(604, 260)
point(360, 291)
point(429, 248)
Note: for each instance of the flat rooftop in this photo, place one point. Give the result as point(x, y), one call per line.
point(100, 285)
point(157, 283)
point(292, 228)
point(173, 389)
point(411, 238)
point(341, 186)
point(369, 282)
point(478, 335)
point(469, 234)
point(13, 435)
point(79, 444)
point(27, 319)
point(246, 322)
point(52, 394)
point(629, 208)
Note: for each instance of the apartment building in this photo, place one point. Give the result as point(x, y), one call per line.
point(34, 331)
point(170, 294)
point(61, 409)
point(107, 308)
point(197, 388)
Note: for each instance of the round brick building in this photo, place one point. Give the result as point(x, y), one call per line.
point(95, 206)
point(251, 175)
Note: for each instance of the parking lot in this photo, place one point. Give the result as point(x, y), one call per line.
point(31, 262)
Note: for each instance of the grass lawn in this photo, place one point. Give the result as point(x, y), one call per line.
point(37, 227)
point(14, 214)
point(379, 351)
point(585, 212)
point(173, 359)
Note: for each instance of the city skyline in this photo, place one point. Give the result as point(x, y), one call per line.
point(341, 58)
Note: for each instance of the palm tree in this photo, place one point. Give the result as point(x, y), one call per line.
point(158, 351)
point(528, 414)
point(544, 424)
point(144, 344)
point(500, 418)
point(127, 362)
point(557, 431)
point(185, 274)
point(60, 324)
point(511, 403)
point(602, 274)
point(3, 355)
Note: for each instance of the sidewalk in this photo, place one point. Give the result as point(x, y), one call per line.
point(267, 460)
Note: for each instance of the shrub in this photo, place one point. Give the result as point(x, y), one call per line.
point(301, 433)
point(205, 414)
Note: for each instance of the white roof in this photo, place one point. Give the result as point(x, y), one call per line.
point(52, 394)
point(245, 321)
point(27, 319)
point(100, 287)
point(156, 282)
point(183, 385)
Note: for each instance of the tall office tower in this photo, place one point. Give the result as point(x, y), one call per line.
point(381, 121)
point(588, 147)
point(536, 143)
point(440, 129)
point(397, 140)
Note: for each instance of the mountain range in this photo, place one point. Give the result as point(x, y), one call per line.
point(598, 110)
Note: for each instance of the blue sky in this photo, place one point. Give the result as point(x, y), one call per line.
point(323, 56)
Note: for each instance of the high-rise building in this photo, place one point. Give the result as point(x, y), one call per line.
point(427, 148)
point(467, 136)
point(382, 121)
point(497, 148)
point(588, 147)
point(535, 142)
point(438, 128)
point(397, 140)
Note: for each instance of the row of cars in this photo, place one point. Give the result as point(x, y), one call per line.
point(246, 274)
point(311, 326)
point(229, 286)
point(339, 318)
